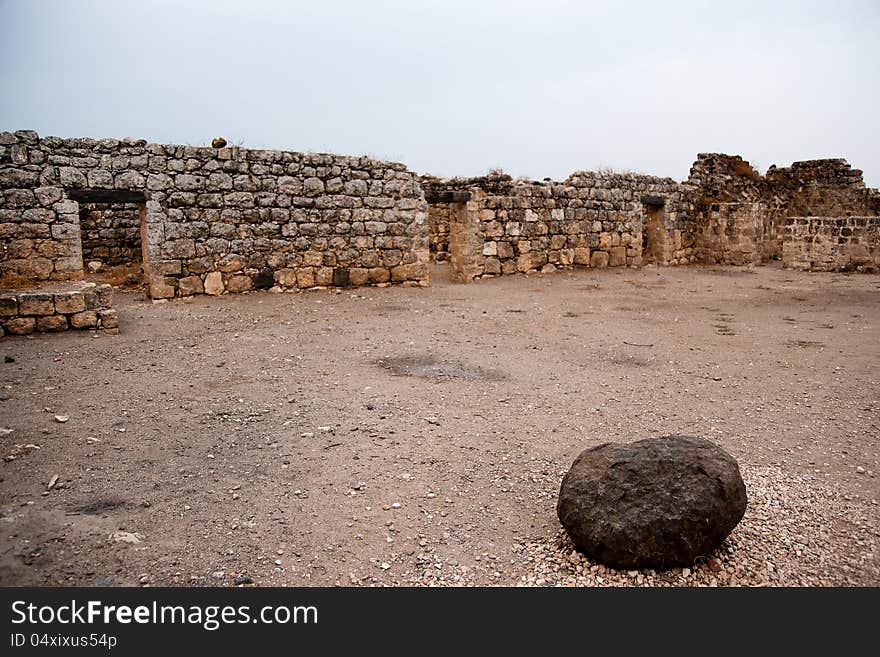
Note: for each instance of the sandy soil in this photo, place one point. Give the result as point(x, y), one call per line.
point(419, 435)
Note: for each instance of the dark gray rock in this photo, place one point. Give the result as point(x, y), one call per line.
point(654, 503)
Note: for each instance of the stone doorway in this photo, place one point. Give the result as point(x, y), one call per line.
point(111, 229)
point(452, 232)
point(653, 233)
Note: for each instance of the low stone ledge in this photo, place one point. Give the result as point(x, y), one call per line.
point(57, 308)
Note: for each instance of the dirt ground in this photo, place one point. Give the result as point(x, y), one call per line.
point(412, 435)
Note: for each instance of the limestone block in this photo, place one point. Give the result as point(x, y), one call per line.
point(8, 306)
point(85, 319)
point(379, 275)
point(305, 277)
point(69, 302)
point(36, 304)
point(358, 276)
point(48, 196)
point(239, 283)
point(214, 283)
point(325, 276)
point(599, 259)
point(617, 256)
point(231, 263)
point(190, 285)
point(72, 177)
point(286, 277)
point(20, 325)
point(104, 295)
point(166, 267)
point(108, 318)
point(52, 323)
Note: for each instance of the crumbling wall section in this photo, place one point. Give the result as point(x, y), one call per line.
point(757, 226)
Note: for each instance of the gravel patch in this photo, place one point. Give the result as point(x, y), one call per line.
point(798, 531)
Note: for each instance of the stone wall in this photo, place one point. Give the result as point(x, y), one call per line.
point(215, 220)
point(39, 226)
point(234, 219)
point(832, 243)
point(58, 308)
point(590, 219)
point(729, 233)
point(439, 217)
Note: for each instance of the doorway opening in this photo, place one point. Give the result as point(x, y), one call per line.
point(653, 232)
point(448, 233)
point(111, 235)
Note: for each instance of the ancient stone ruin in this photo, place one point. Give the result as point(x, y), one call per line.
point(187, 220)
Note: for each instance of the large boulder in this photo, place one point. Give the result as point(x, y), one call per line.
point(654, 503)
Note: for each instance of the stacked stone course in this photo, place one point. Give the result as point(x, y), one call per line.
point(52, 309)
point(590, 219)
point(832, 244)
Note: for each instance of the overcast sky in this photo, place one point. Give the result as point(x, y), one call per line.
point(538, 88)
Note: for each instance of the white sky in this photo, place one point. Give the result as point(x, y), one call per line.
point(538, 88)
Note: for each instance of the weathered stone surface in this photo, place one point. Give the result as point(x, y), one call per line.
point(104, 294)
point(239, 283)
point(286, 277)
point(52, 323)
point(69, 302)
point(617, 256)
point(599, 259)
point(8, 306)
point(108, 318)
point(190, 285)
point(20, 325)
point(214, 283)
point(654, 503)
point(84, 320)
point(36, 304)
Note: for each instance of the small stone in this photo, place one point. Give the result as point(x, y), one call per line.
point(860, 470)
point(62, 418)
point(126, 537)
